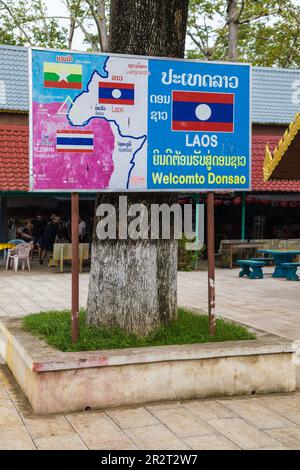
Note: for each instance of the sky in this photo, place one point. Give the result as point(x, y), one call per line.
point(57, 8)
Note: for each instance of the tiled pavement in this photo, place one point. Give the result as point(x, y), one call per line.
point(40, 289)
point(266, 422)
point(262, 422)
point(270, 304)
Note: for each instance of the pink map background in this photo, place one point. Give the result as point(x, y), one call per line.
point(69, 170)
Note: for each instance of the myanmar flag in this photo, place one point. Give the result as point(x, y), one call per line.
point(62, 75)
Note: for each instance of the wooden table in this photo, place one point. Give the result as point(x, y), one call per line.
point(280, 257)
point(244, 245)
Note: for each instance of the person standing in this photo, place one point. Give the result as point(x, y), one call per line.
point(38, 230)
point(82, 230)
point(49, 237)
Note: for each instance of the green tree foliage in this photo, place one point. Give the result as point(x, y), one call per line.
point(268, 31)
point(274, 43)
point(207, 30)
point(25, 22)
point(28, 23)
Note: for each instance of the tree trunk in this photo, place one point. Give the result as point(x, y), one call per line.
point(233, 26)
point(148, 27)
point(71, 33)
point(133, 283)
point(102, 25)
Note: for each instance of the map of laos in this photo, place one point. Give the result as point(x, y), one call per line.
point(85, 135)
point(101, 122)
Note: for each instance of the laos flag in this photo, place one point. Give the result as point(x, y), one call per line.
point(202, 111)
point(116, 93)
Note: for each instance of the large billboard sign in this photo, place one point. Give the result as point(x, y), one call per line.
point(101, 122)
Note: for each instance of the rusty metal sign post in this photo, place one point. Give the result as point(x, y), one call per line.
point(75, 266)
point(211, 262)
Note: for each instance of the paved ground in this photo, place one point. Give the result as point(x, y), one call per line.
point(270, 304)
point(266, 422)
point(40, 289)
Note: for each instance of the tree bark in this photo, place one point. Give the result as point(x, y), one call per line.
point(133, 283)
point(148, 27)
point(103, 26)
point(233, 26)
point(71, 33)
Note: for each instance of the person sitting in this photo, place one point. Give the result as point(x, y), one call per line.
point(25, 233)
point(82, 230)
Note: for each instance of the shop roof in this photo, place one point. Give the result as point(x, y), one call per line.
point(13, 79)
point(14, 173)
point(275, 92)
point(283, 162)
point(258, 156)
point(275, 95)
point(14, 151)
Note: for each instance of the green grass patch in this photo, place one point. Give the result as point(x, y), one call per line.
point(189, 328)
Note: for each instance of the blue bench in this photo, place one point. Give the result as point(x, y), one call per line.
point(291, 271)
point(263, 260)
point(251, 269)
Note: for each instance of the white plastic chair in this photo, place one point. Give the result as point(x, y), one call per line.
point(16, 241)
point(19, 253)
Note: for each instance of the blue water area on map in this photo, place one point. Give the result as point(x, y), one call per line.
point(162, 140)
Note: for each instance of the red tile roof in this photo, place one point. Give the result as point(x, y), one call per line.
point(14, 158)
point(14, 151)
point(258, 154)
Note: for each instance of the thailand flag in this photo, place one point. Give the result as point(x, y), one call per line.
point(116, 93)
point(202, 111)
point(74, 141)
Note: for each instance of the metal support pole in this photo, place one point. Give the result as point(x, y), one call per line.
point(3, 219)
point(243, 221)
point(211, 263)
point(197, 199)
point(75, 266)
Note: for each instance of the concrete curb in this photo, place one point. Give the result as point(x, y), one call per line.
point(54, 381)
